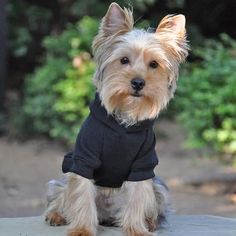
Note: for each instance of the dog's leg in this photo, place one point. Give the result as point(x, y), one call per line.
point(80, 206)
point(141, 208)
point(162, 198)
point(56, 200)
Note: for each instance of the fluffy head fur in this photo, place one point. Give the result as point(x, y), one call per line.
point(117, 39)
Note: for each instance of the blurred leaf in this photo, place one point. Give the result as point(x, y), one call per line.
point(206, 98)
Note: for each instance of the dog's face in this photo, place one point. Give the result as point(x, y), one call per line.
point(137, 70)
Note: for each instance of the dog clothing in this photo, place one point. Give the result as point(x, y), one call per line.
point(111, 153)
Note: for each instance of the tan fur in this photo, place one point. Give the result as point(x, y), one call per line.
point(80, 210)
point(137, 210)
point(54, 218)
point(151, 224)
point(135, 206)
point(79, 232)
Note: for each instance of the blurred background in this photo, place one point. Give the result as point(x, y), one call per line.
point(46, 69)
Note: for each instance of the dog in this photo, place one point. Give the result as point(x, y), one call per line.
point(109, 177)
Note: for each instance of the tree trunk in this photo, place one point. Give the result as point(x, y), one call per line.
point(3, 34)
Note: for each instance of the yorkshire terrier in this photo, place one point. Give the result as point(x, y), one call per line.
point(109, 177)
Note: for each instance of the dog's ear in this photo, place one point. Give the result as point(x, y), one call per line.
point(117, 20)
point(171, 32)
point(175, 24)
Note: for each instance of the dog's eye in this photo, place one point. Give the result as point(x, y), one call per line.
point(124, 60)
point(153, 64)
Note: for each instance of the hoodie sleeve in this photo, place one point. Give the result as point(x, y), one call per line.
point(143, 167)
point(86, 155)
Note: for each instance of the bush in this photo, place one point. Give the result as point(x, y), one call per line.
point(58, 92)
point(26, 21)
point(206, 98)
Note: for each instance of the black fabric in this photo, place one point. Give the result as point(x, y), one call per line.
point(111, 153)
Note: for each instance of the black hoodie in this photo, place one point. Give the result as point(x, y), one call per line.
point(111, 153)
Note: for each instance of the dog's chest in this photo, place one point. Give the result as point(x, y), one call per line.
point(121, 147)
point(110, 203)
point(119, 151)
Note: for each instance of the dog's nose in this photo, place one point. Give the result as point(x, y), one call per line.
point(137, 84)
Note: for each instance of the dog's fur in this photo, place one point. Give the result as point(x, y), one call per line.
point(154, 57)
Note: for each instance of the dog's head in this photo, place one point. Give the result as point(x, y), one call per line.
point(137, 70)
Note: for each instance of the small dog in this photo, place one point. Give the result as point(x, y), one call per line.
point(109, 176)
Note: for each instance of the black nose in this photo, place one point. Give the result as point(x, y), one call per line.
point(137, 83)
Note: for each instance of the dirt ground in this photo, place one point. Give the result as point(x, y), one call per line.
point(26, 167)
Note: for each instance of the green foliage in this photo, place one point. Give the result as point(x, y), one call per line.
point(58, 92)
point(176, 3)
point(99, 7)
point(25, 20)
point(206, 98)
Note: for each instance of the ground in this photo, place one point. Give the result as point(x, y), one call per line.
point(26, 167)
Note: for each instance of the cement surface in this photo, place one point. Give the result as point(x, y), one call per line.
point(178, 225)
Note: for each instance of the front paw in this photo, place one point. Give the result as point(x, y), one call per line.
point(55, 219)
point(79, 232)
point(151, 224)
point(132, 231)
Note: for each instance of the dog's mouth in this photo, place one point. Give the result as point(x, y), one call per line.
point(136, 94)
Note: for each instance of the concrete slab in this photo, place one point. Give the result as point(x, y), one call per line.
point(178, 225)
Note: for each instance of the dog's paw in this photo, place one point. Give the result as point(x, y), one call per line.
point(79, 232)
point(136, 232)
point(55, 219)
point(151, 224)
